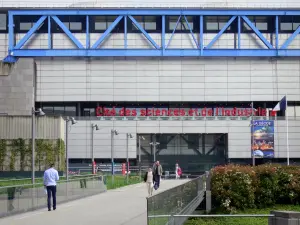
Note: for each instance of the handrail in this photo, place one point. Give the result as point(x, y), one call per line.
point(42, 177)
point(37, 184)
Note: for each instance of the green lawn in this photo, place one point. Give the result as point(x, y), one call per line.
point(245, 220)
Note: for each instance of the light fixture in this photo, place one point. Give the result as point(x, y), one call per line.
point(39, 112)
point(73, 121)
point(114, 132)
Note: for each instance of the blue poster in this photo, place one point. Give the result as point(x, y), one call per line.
point(262, 138)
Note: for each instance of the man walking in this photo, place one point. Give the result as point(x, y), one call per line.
point(50, 178)
point(157, 172)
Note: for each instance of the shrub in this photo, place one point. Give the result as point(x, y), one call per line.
point(239, 187)
point(232, 187)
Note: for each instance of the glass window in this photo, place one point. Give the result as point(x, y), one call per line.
point(67, 24)
point(172, 23)
point(296, 25)
point(286, 26)
point(150, 23)
point(110, 20)
point(70, 111)
point(100, 23)
point(59, 110)
point(48, 109)
point(25, 26)
point(261, 22)
point(190, 21)
point(75, 25)
point(3, 21)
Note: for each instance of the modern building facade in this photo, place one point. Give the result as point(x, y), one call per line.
point(180, 74)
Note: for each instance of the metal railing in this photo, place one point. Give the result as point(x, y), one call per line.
point(28, 197)
point(179, 200)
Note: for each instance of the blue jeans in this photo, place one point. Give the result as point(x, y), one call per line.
point(156, 181)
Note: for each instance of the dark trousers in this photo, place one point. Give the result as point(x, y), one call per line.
point(51, 190)
point(156, 181)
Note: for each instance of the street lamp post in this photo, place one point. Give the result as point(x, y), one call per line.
point(38, 112)
point(127, 155)
point(140, 169)
point(154, 144)
point(73, 121)
point(113, 133)
point(92, 145)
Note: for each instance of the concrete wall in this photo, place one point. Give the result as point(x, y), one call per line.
point(17, 88)
point(238, 136)
point(151, 3)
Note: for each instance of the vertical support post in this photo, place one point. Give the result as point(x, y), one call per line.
point(112, 156)
point(49, 33)
point(163, 34)
point(252, 135)
point(125, 32)
point(67, 150)
point(127, 160)
point(33, 145)
point(11, 35)
point(87, 32)
point(277, 32)
point(140, 170)
point(239, 32)
point(154, 152)
point(201, 35)
point(287, 131)
point(208, 192)
point(92, 149)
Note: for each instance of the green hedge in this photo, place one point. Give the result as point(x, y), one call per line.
point(238, 187)
point(15, 154)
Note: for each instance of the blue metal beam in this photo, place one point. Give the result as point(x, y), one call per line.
point(277, 32)
point(11, 34)
point(49, 33)
point(87, 33)
point(156, 53)
point(201, 41)
point(290, 39)
point(221, 32)
point(67, 32)
point(144, 32)
point(191, 31)
point(257, 32)
point(125, 32)
point(107, 32)
point(33, 29)
point(163, 33)
point(158, 12)
point(239, 32)
point(178, 20)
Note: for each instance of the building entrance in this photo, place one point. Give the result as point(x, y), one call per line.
point(193, 152)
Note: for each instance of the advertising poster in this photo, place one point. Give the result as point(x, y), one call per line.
point(262, 138)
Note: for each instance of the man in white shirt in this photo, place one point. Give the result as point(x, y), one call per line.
point(50, 178)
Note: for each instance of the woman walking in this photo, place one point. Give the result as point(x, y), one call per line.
point(149, 181)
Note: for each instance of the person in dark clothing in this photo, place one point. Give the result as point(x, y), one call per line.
point(157, 172)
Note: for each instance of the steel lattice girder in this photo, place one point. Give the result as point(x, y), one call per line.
point(17, 50)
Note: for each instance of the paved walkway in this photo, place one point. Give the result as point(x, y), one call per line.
point(123, 206)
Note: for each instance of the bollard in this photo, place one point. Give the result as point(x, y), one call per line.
point(284, 218)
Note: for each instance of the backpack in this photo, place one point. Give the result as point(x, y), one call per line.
point(145, 177)
point(179, 171)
